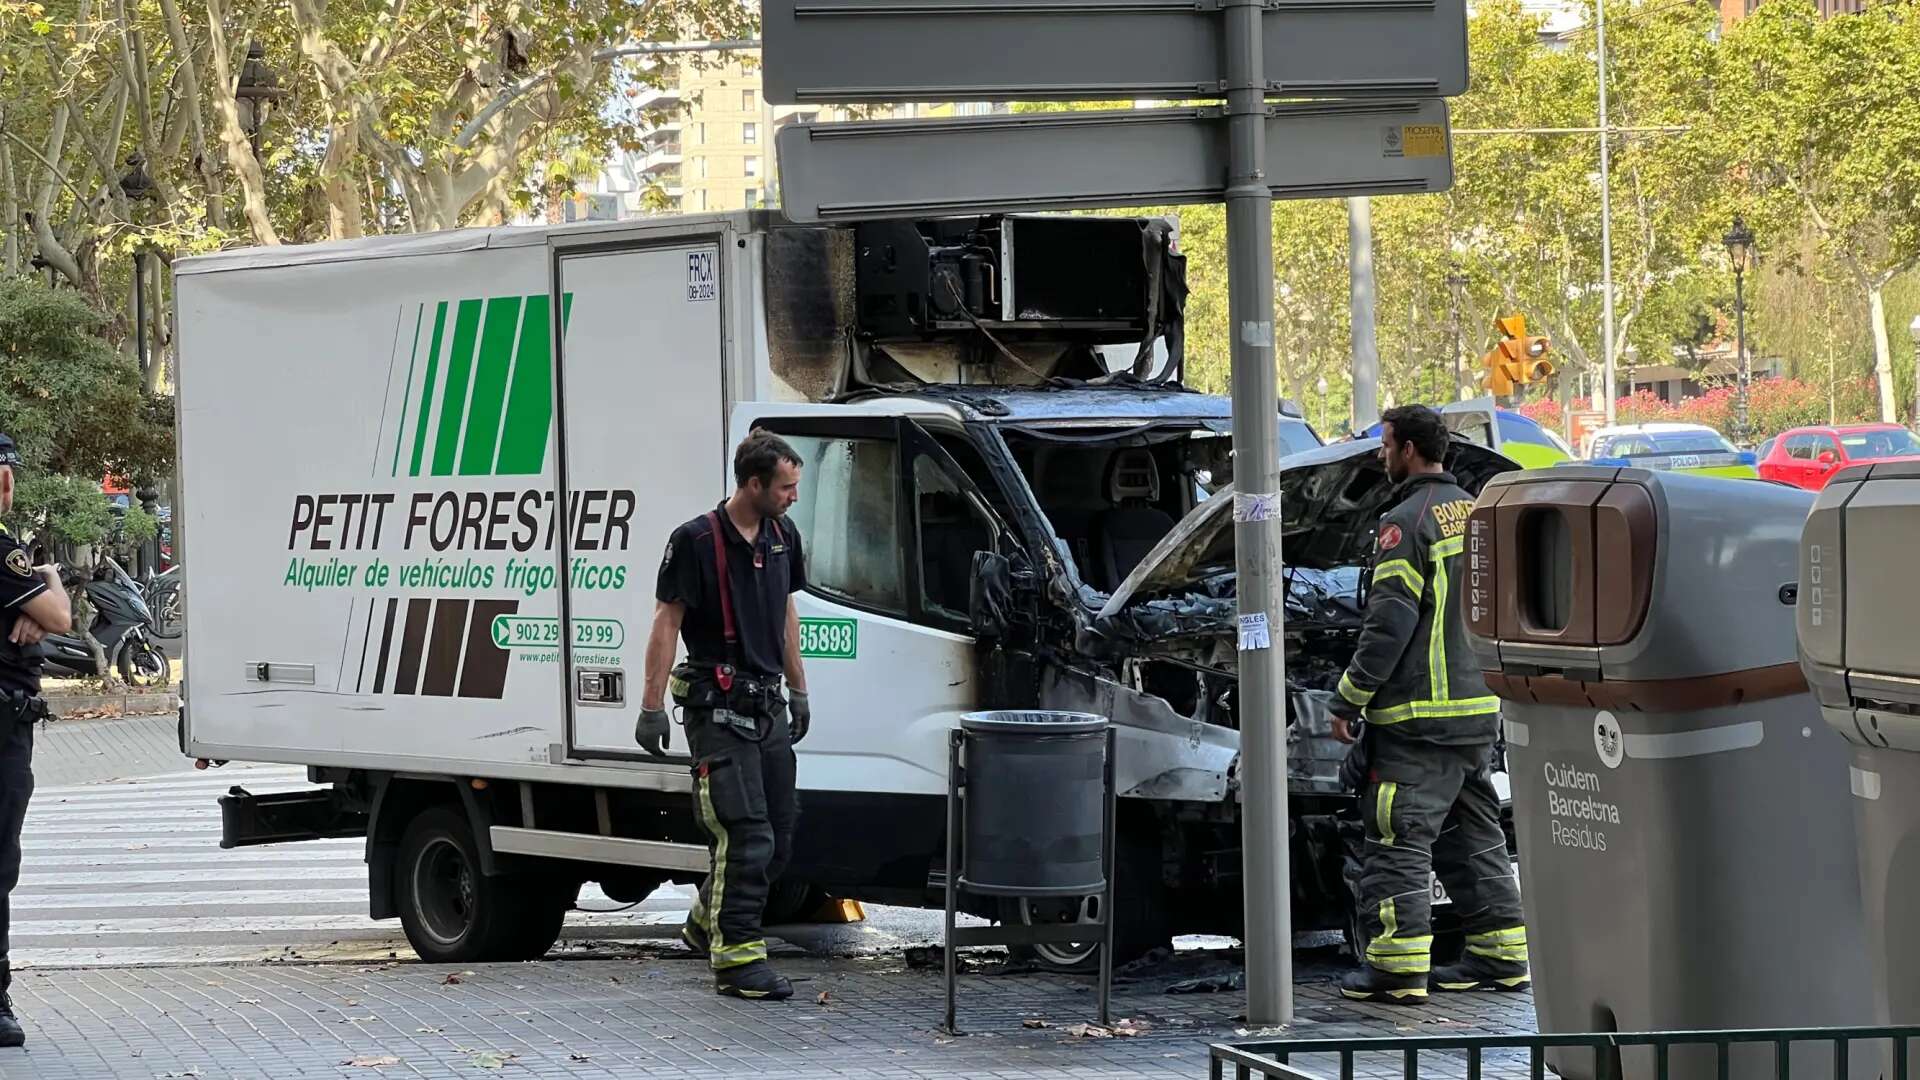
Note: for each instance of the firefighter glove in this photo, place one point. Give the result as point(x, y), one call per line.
point(654, 731)
point(799, 714)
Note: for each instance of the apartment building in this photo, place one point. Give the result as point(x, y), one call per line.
point(713, 149)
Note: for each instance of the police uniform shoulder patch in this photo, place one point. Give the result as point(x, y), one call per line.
point(18, 562)
point(1390, 536)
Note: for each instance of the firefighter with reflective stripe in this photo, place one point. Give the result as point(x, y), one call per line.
point(33, 604)
point(1424, 755)
point(726, 586)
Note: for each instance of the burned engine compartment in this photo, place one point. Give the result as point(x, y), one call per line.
point(1165, 619)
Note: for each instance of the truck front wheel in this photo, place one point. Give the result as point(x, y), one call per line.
point(453, 913)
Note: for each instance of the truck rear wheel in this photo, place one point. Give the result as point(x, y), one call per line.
point(1141, 915)
point(453, 913)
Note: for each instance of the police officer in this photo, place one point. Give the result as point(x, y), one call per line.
point(33, 604)
point(1424, 763)
point(726, 587)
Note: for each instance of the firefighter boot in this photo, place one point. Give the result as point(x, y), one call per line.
point(1474, 972)
point(756, 981)
point(1369, 983)
point(10, 1032)
point(695, 937)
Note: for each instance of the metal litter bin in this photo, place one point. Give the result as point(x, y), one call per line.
point(1030, 810)
point(1037, 807)
point(1681, 814)
point(1859, 613)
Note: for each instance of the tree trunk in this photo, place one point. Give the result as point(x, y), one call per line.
point(1882, 349)
point(9, 212)
point(253, 181)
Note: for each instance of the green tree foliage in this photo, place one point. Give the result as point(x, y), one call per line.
point(76, 409)
point(1820, 125)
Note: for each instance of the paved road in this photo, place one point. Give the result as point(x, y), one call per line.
point(146, 951)
point(130, 872)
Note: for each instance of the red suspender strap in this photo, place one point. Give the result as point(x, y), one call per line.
point(726, 587)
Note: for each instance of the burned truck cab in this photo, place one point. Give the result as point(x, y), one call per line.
point(1044, 521)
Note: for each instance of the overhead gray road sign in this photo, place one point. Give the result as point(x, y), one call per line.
point(1023, 50)
point(1138, 157)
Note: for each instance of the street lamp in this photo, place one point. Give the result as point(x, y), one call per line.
point(255, 92)
point(1456, 286)
point(1739, 242)
point(1321, 386)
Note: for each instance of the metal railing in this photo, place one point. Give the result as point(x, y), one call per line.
point(1271, 1058)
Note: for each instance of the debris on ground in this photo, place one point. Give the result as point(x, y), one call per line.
point(1120, 1029)
point(1151, 959)
point(1035, 1023)
point(927, 957)
point(490, 1059)
point(369, 1062)
point(1211, 984)
point(825, 998)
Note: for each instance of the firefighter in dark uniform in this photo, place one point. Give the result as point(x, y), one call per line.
point(34, 604)
point(1424, 764)
point(726, 586)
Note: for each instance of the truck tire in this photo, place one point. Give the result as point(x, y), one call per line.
point(790, 901)
point(1141, 924)
point(454, 914)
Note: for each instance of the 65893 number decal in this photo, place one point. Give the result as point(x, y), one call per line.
point(830, 639)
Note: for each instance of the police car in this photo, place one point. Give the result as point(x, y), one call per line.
point(1692, 448)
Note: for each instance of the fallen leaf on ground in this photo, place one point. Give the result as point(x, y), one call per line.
point(349, 1002)
point(373, 1062)
point(824, 998)
point(247, 1001)
point(1088, 1031)
point(490, 1059)
point(578, 1057)
point(426, 1031)
point(1035, 1023)
point(451, 980)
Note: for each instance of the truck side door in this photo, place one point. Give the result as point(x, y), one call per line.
point(889, 525)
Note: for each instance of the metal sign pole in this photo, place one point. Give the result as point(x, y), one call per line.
point(1256, 477)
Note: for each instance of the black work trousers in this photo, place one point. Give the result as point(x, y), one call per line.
point(16, 787)
point(744, 799)
point(1433, 810)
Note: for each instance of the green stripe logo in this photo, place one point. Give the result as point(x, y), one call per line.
point(478, 400)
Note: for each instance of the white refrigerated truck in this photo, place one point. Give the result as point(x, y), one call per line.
point(425, 482)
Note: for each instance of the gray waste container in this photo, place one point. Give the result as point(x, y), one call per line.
point(1681, 812)
point(1036, 803)
point(1859, 624)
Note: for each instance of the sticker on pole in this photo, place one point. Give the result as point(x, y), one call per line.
point(703, 279)
point(1253, 632)
point(1253, 506)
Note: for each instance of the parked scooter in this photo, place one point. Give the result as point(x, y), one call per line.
point(163, 596)
point(122, 623)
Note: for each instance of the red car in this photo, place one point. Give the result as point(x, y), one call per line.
point(1808, 457)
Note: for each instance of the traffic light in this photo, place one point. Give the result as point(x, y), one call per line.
point(1518, 359)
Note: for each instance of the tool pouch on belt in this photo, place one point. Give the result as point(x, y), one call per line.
point(18, 708)
point(698, 687)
